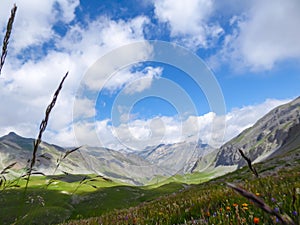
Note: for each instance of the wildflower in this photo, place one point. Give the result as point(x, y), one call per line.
point(208, 213)
point(235, 205)
point(273, 199)
point(228, 208)
point(276, 209)
point(257, 194)
point(221, 209)
point(245, 205)
point(294, 213)
point(245, 208)
point(255, 220)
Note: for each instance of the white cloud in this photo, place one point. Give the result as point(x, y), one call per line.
point(241, 118)
point(134, 82)
point(264, 35)
point(34, 20)
point(26, 87)
point(137, 133)
point(189, 20)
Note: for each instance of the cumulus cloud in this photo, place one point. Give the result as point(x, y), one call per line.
point(34, 20)
point(138, 134)
point(189, 21)
point(27, 86)
point(263, 35)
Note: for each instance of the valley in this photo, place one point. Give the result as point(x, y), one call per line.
point(95, 185)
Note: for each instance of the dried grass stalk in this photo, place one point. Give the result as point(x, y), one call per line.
point(249, 163)
point(43, 126)
point(5, 170)
point(7, 36)
point(284, 219)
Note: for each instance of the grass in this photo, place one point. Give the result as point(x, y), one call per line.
point(7, 36)
point(173, 203)
point(213, 202)
point(41, 202)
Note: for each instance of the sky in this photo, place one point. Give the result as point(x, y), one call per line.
point(143, 73)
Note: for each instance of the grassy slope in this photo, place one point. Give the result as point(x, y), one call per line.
point(177, 202)
point(213, 202)
point(67, 198)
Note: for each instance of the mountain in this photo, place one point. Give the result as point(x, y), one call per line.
point(126, 166)
point(277, 133)
point(274, 133)
point(86, 160)
point(177, 158)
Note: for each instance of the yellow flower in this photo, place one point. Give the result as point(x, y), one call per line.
point(257, 194)
point(228, 208)
point(245, 205)
point(245, 208)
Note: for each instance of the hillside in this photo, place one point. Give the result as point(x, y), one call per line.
point(266, 137)
point(176, 199)
point(212, 202)
point(275, 133)
point(138, 168)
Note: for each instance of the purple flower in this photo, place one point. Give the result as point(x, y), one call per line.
point(273, 199)
point(276, 209)
point(295, 213)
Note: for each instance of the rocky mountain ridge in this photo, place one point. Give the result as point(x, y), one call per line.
point(135, 168)
point(275, 133)
point(264, 138)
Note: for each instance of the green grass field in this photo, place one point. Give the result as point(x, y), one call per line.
point(82, 199)
point(69, 197)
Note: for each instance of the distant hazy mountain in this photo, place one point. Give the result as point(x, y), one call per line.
point(136, 168)
point(178, 158)
point(266, 137)
point(275, 133)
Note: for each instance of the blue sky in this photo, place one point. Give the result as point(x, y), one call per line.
point(250, 48)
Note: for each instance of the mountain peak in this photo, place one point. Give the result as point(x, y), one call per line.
point(12, 134)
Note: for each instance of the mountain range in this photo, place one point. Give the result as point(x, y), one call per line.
point(275, 133)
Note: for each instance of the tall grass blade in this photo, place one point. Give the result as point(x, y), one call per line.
point(43, 126)
point(7, 36)
point(249, 163)
point(4, 171)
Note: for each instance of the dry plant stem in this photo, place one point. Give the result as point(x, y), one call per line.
point(42, 129)
point(63, 157)
point(7, 35)
point(284, 219)
point(249, 163)
point(4, 171)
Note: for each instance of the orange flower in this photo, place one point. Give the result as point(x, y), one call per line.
point(235, 205)
point(228, 208)
point(208, 213)
point(255, 220)
point(245, 205)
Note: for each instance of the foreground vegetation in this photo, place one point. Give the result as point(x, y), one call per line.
point(81, 199)
point(71, 197)
point(215, 203)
